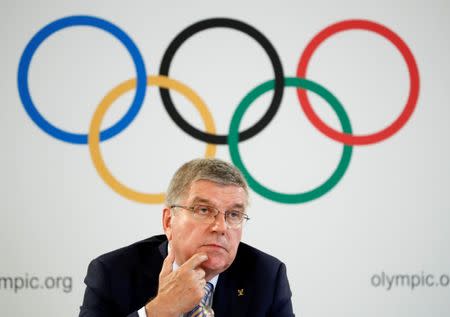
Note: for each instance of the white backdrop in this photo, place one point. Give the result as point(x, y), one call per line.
point(387, 218)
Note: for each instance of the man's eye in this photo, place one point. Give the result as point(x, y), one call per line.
point(203, 210)
point(234, 214)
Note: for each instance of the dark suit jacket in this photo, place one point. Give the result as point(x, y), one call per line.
point(121, 282)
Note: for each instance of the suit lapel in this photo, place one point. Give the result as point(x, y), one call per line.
point(231, 297)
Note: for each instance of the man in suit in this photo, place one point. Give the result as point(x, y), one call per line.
point(199, 263)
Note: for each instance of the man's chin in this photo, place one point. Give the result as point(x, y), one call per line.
point(215, 264)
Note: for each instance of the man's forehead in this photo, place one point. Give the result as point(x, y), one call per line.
point(205, 191)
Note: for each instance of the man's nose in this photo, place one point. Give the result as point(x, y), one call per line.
point(219, 224)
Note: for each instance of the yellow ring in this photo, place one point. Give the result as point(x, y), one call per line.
point(94, 133)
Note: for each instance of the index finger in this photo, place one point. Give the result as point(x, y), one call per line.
point(195, 260)
point(168, 263)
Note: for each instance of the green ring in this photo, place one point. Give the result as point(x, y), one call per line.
point(233, 141)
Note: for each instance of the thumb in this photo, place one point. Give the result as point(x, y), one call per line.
point(167, 264)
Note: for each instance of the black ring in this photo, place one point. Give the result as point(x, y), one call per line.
point(258, 37)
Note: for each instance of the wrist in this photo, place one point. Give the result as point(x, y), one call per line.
point(155, 308)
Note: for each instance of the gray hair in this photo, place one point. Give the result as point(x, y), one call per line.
point(213, 170)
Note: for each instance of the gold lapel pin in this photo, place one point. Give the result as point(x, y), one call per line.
point(240, 292)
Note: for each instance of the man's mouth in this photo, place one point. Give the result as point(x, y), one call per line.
point(215, 246)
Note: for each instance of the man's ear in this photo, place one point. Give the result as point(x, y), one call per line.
point(167, 222)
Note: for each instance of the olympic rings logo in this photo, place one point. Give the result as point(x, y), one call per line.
point(209, 136)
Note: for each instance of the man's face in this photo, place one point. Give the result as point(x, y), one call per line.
point(188, 235)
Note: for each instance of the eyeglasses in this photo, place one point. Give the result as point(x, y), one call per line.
point(207, 214)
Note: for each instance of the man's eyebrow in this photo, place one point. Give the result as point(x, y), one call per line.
point(239, 206)
point(201, 200)
point(207, 201)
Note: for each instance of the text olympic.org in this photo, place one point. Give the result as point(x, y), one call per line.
point(18, 283)
point(412, 281)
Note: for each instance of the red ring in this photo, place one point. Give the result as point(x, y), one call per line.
point(351, 139)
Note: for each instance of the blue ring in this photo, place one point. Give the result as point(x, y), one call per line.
point(43, 34)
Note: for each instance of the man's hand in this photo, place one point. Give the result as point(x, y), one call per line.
point(178, 291)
